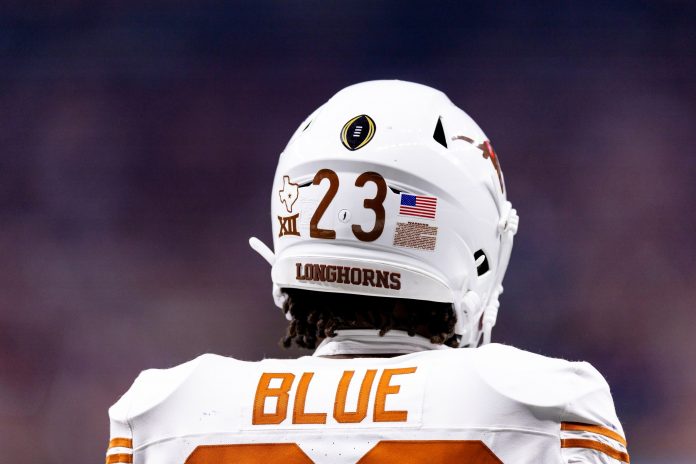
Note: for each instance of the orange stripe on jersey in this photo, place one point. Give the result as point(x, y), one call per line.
point(432, 451)
point(120, 443)
point(119, 458)
point(599, 430)
point(597, 446)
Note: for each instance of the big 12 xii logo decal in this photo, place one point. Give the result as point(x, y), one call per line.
point(288, 196)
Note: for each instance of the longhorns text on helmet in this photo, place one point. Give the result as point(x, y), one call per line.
point(389, 189)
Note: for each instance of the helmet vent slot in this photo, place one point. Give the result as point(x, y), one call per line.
point(439, 134)
point(307, 126)
point(481, 262)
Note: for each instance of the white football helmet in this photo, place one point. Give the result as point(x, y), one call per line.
point(389, 189)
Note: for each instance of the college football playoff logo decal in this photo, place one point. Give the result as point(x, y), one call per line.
point(358, 132)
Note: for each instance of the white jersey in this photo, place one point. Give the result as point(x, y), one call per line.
point(487, 405)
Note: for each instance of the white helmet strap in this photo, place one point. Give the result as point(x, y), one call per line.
point(509, 222)
point(279, 296)
point(262, 249)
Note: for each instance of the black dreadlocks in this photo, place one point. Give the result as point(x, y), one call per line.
point(317, 315)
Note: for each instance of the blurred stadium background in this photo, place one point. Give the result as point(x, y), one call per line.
point(138, 145)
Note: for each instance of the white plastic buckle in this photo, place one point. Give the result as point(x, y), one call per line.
point(467, 308)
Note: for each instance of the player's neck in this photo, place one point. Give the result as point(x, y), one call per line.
point(368, 343)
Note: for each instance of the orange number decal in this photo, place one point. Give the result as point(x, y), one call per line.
point(376, 204)
point(384, 452)
point(314, 230)
point(428, 451)
point(287, 453)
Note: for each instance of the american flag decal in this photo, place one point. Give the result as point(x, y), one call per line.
point(418, 205)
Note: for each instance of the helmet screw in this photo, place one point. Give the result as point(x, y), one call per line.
point(344, 216)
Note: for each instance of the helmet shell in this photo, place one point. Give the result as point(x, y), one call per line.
point(388, 189)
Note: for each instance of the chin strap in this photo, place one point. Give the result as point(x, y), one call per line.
point(489, 317)
point(509, 222)
point(261, 248)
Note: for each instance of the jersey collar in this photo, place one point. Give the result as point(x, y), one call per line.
point(370, 342)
